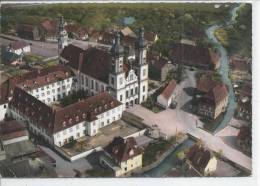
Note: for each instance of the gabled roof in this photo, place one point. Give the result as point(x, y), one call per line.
point(206, 83)
point(123, 149)
point(192, 55)
point(18, 45)
point(239, 64)
point(217, 94)
point(12, 129)
point(95, 62)
point(154, 59)
point(169, 89)
point(150, 36)
point(199, 157)
point(57, 120)
point(128, 32)
point(50, 26)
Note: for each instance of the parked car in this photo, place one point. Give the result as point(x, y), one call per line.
point(173, 105)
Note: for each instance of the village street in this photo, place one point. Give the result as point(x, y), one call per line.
point(169, 121)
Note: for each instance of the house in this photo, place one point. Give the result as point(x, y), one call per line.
point(213, 103)
point(244, 139)
point(244, 105)
point(59, 126)
point(49, 30)
point(77, 32)
point(127, 32)
point(122, 156)
point(10, 58)
point(196, 56)
point(239, 69)
point(19, 47)
point(12, 132)
point(201, 160)
point(168, 94)
point(212, 96)
point(28, 31)
point(159, 66)
point(151, 37)
point(104, 68)
point(95, 36)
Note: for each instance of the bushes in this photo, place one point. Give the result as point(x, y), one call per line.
point(72, 98)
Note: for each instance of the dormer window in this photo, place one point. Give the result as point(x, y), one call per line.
point(105, 106)
point(83, 115)
point(77, 118)
point(70, 120)
point(64, 124)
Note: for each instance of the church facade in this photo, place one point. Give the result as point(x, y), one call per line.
point(101, 69)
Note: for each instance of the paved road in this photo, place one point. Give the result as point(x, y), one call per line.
point(65, 168)
point(170, 121)
point(48, 49)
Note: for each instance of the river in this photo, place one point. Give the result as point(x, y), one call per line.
point(224, 66)
point(170, 161)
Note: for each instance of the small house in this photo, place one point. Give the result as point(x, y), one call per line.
point(168, 95)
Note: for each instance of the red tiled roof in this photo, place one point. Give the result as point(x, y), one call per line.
point(56, 120)
point(205, 83)
point(199, 157)
point(217, 94)
point(156, 60)
point(12, 129)
point(239, 64)
point(18, 45)
point(34, 78)
point(50, 26)
point(123, 149)
point(191, 55)
point(150, 36)
point(95, 61)
point(168, 91)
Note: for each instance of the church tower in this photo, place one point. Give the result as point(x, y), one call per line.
point(117, 75)
point(141, 66)
point(62, 35)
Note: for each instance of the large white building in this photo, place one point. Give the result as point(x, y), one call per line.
point(63, 125)
point(99, 69)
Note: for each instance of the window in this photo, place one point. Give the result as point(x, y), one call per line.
point(114, 118)
point(108, 121)
point(86, 81)
point(121, 97)
point(126, 93)
point(49, 99)
point(92, 84)
point(42, 88)
point(144, 88)
point(97, 87)
point(131, 77)
point(68, 80)
point(132, 92)
point(43, 94)
point(53, 90)
point(102, 124)
point(121, 81)
point(52, 84)
point(78, 134)
point(82, 80)
point(47, 87)
point(48, 92)
point(63, 87)
point(71, 129)
point(77, 127)
point(37, 90)
point(112, 80)
point(58, 89)
point(4, 106)
point(144, 72)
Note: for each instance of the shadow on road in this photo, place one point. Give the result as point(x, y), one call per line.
point(190, 91)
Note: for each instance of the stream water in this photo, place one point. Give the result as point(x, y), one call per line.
point(224, 66)
point(170, 161)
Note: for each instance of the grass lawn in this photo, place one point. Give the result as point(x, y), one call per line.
point(222, 36)
point(154, 150)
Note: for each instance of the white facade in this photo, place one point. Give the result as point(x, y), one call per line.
point(19, 51)
point(54, 91)
point(88, 128)
point(161, 100)
point(3, 109)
